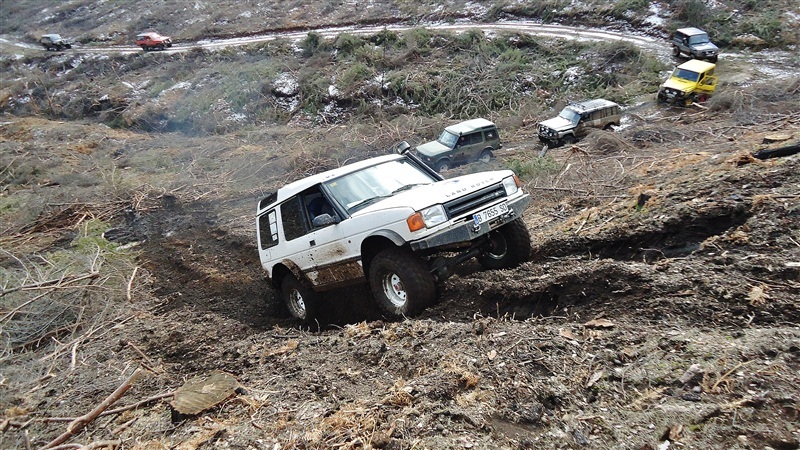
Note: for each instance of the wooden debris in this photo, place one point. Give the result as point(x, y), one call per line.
point(599, 323)
point(203, 392)
point(80, 423)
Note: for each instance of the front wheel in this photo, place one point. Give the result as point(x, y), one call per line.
point(401, 283)
point(568, 139)
point(442, 165)
point(509, 246)
point(300, 300)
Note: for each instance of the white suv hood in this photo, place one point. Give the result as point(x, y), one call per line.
point(421, 197)
point(557, 123)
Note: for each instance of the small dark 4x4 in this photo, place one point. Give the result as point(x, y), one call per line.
point(54, 42)
point(695, 43)
point(462, 143)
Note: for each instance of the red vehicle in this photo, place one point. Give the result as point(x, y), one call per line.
point(153, 41)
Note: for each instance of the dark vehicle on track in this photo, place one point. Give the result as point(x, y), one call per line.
point(55, 42)
point(695, 43)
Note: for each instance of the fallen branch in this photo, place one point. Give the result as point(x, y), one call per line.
point(130, 283)
point(50, 283)
point(80, 423)
point(766, 153)
point(114, 411)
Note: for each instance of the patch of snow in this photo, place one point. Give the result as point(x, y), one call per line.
point(286, 85)
point(655, 18)
point(333, 91)
point(475, 8)
point(246, 14)
point(792, 17)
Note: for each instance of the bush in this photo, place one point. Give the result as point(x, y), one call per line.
point(531, 167)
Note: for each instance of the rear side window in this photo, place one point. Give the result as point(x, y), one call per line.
point(474, 138)
point(292, 218)
point(491, 134)
point(268, 229)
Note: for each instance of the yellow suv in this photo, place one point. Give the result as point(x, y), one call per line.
point(692, 81)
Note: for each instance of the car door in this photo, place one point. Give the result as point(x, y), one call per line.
point(468, 145)
point(320, 252)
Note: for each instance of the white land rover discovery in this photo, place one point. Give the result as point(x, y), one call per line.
point(390, 221)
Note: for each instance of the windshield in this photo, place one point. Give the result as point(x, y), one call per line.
point(570, 115)
point(685, 74)
point(448, 139)
point(698, 39)
point(360, 189)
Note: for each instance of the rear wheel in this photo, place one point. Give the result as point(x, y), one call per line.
point(485, 156)
point(442, 165)
point(509, 246)
point(676, 51)
point(401, 283)
point(300, 300)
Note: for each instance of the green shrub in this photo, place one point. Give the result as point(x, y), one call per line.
point(346, 44)
point(313, 44)
point(531, 167)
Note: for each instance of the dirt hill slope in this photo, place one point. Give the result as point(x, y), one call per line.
point(660, 311)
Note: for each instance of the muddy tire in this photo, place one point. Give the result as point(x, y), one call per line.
point(676, 51)
point(401, 283)
point(442, 165)
point(568, 139)
point(509, 246)
point(299, 300)
point(485, 156)
point(160, 46)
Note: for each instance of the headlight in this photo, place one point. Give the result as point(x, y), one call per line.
point(427, 218)
point(511, 185)
point(434, 216)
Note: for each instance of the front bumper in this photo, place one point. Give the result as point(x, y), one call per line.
point(466, 230)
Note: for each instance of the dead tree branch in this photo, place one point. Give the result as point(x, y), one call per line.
point(80, 423)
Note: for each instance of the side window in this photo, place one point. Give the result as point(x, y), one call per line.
point(268, 229)
point(292, 217)
point(474, 138)
point(491, 134)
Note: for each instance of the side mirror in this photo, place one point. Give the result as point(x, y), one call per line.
point(324, 220)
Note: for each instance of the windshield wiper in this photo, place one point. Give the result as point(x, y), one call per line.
point(407, 187)
point(366, 202)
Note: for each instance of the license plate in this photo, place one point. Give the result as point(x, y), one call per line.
point(491, 213)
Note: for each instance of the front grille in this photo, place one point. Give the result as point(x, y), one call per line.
point(473, 201)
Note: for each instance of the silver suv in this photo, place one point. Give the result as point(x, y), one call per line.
point(695, 43)
point(389, 221)
point(55, 42)
point(577, 119)
point(462, 143)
